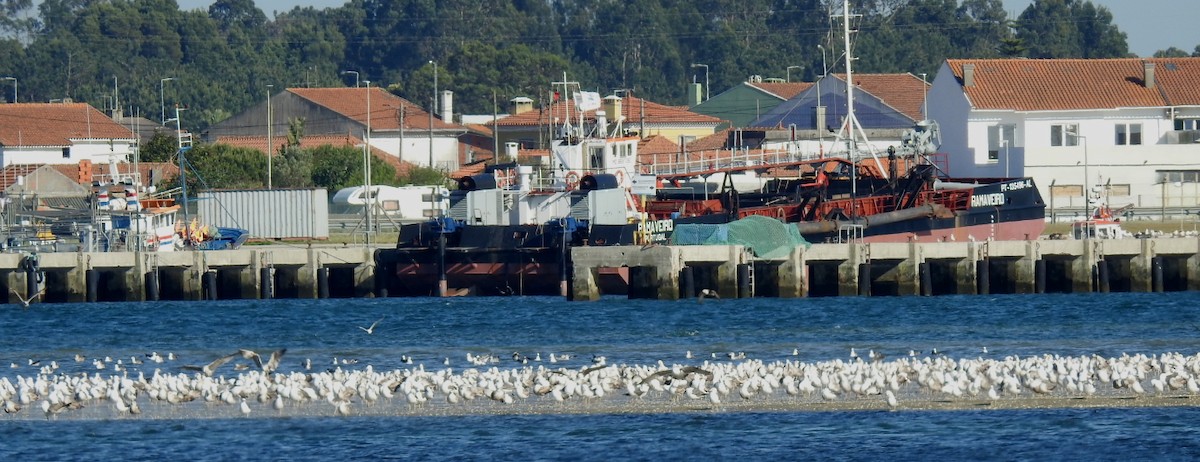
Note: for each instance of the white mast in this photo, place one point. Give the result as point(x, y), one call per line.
point(850, 126)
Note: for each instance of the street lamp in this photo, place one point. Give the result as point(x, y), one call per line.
point(1086, 194)
point(789, 72)
point(270, 133)
point(435, 86)
point(824, 67)
point(162, 101)
point(355, 76)
point(370, 210)
point(705, 66)
point(14, 81)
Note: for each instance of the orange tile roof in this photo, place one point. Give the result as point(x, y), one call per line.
point(469, 169)
point(631, 108)
point(56, 124)
point(259, 143)
point(352, 103)
point(903, 92)
point(711, 142)
point(1179, 79)
point(1072, 84)
point(784, 90)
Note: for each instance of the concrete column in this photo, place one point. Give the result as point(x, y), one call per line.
point(727, 280)
point(793, 275)
point(908, 278)
point(965, 279)
point(364, 275)
point(76, 278)
point(306, 276)
point(1024, 268)
point(1192, 272)
point(135, 281)
point(848, 271)
point(193, 285)
point(1140, 268)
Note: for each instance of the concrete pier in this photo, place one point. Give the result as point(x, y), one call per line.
point(860, 269)
point(655, 272)
point(238, 274)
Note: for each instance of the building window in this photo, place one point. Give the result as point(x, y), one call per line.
point(66, 153)
point(1000, 137)
point(1129, 134)
point(1064, 135)
point(1178, 176)
point(1187, 124)
point(1066, 190)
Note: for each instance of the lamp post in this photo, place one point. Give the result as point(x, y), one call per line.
point(1004, 144)
point(14, 81)
point(355, 76)
point(1086, 194)
point(369, 198)
point(705, 66)
point(789, 72)
point(270, 134)
point(162, 100)
point(435, 88)
point(824, 67)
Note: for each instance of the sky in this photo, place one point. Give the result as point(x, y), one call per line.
point(1149, 25)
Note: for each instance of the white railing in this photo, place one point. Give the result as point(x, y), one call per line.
point(708, 161)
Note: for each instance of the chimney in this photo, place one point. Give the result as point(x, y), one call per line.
point(968, 75)
point(612, 107)
point(520, 105)
point(1148, 74)
point(694, 94)
point(85, 172)
point(447, 106)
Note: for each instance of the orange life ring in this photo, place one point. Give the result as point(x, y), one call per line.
point(572, 180)
point(621, 177)
point(780, 213)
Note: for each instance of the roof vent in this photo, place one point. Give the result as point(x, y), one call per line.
point(1148, 75)
point(968, 75)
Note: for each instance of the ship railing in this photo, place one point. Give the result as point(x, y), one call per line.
point(732, 159)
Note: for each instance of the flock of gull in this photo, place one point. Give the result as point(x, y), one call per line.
point(490, 384)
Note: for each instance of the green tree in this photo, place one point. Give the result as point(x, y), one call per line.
point(161, 147)
point(1171, 52)
point(220, 166)
point(1070, 29)
point(338, 167)
point(425, 176)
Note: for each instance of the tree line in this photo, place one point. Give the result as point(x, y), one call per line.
point(148, 56)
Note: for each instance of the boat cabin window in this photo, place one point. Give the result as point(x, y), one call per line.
point(596, 157)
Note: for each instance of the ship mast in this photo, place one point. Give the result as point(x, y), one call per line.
point(851, 131)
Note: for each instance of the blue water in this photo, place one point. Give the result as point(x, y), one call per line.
point(432, 330)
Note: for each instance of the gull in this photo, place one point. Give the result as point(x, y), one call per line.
point(210, 368)
point(245, 407)
point(707, 293)
point(25, 301)
point(269, 366)
point(370, 330)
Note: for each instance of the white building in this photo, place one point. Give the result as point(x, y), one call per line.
point(60, 133)
point(1126, 127)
